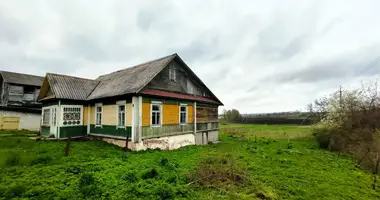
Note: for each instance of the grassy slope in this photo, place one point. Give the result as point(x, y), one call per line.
point(295, 170)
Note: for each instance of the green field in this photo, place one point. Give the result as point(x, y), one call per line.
point(285, 165)
point(268, 131)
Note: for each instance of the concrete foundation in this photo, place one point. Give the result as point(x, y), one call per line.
point(167, 142)
point(205, 137)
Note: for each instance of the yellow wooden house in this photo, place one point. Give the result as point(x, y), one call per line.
point(157, 104)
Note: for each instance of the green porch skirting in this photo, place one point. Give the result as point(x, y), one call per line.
point(45, 130)
point(72, 131)
point(111, 130)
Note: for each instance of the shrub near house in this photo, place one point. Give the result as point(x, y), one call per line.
point(351, 125)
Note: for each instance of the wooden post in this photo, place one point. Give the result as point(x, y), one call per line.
point(126, 143)
point(67, 149)
point(375, 172)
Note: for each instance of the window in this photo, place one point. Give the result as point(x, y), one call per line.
point(121, 116)
point(156, 114)
point(28, 93)
point(72, 115)
point(46, 116)
point(183, 114)
point(98, 115)
point(172, 74)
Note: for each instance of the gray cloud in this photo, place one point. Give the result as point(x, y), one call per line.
point(349, 65)
point(255, 56)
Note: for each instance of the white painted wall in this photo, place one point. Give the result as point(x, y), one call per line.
point(165, 143)
point(169, 142)
point(29, 121)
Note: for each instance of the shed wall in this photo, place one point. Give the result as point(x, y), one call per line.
point(28, 121)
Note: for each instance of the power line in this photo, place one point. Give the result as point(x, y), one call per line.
point(369, 66)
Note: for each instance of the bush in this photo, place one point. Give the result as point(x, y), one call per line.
point(227, 175)
point(351, 123)
point(219, 172)
point(322, 136)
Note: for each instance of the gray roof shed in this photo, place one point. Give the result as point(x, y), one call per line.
point(22, 79)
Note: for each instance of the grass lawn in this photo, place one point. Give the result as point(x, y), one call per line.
point(17, 133)
point(275, 168)
point(271, 131)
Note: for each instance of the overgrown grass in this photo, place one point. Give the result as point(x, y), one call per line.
point(237, 168)
point(17, 132)
point(271, 131)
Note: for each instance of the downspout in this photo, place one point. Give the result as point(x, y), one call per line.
point(59, 118)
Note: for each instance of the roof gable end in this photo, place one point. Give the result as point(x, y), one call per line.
point(186, 83)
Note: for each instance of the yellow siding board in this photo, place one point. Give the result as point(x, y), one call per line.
point(92, 115)
point(146, 114)
point(109, 115)
point(190, 114)
point(128, 108)
point(85, 115)
point(170, 114)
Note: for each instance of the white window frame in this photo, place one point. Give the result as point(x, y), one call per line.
point(54, 116)
point(71, 106)
point(118, 104)
point(96, 114)
point(186, 112)
point(43, 115)
point(158, 103)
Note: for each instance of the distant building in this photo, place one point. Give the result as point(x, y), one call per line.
point(19, 108)
point(157, 104)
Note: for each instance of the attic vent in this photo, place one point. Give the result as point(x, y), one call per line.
point(172, 74)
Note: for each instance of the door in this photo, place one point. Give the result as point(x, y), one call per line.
point(53, 124)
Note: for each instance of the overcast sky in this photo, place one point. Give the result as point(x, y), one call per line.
point(256, 56)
